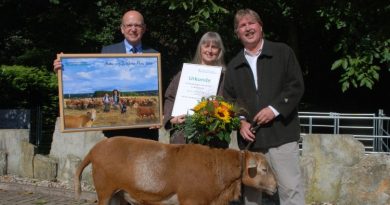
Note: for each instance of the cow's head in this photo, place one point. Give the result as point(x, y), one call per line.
point(92, 114)
point(257, 173)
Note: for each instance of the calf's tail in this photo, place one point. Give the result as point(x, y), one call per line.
point(78, 174)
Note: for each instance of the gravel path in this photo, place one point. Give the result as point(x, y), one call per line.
point(43, 183)
point(35, 191)
point(21, 191)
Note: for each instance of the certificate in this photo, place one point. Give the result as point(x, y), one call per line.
point(196, 81)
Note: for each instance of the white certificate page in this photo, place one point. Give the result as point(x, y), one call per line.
point(196, 81)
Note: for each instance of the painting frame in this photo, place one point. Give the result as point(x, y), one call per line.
point(109, 91)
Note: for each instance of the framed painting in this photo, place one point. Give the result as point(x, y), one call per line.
point(109, 91)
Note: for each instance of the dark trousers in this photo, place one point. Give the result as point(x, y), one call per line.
point(144, 133)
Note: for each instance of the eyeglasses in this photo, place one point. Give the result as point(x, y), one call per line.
point(136, 26)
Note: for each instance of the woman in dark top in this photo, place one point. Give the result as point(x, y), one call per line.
point(210, 51)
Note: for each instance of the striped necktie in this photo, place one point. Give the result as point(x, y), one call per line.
point(133, 50)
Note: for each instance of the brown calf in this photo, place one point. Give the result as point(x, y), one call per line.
point(80, 121)
point(149, 172)
point(145, 111)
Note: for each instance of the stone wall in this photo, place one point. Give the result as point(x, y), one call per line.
point(69, 148)
point(15, 148)
point(335, 168)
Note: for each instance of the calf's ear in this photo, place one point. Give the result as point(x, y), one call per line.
point(252, 168)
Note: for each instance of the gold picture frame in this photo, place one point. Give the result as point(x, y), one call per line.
point(88, 85)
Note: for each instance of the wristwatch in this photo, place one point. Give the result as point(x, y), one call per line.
point(242, 117)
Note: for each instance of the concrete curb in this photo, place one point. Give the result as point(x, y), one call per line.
point(51, 191)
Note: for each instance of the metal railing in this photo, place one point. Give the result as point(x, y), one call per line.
point(371, 129)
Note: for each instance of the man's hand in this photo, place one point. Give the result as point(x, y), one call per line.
point(245, 131)
point(57, 64)
point(264, 116)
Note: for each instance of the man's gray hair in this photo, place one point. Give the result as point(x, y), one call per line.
point(243, 12)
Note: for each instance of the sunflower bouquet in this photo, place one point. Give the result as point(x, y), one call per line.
point(213, 120)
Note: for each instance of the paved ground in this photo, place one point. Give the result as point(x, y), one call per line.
point(17, 194)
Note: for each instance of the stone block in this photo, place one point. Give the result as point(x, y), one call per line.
point(67, 172)
point(26, 159)
point(324, 159)
point(163, 135)
point(10, 142)
point(45, 167)
point(367, 182)
point(87, 173)
point(70, 148)
point(3, 162)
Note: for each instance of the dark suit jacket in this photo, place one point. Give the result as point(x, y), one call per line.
point(145, 133)
point(120, 48)
point(280, 84)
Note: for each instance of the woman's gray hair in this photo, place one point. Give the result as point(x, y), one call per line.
point(210, 37)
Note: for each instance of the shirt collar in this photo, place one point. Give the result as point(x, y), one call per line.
point(128, 47)
point(258, 52)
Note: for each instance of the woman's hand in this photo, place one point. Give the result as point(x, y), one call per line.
point(178, 119)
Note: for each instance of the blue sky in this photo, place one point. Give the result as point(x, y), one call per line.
point(87, 75)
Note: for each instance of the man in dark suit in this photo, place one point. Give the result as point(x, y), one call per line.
point(133, 28)
point(266, 81)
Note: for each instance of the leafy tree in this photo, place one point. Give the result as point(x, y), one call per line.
point(202, 12)
point(357, 30)
point(363, 39)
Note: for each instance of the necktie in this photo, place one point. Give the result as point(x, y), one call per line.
point(133, 50)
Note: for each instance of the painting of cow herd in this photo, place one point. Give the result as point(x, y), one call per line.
point(109, 92)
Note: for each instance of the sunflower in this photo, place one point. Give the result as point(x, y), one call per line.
point(227, 106)
point(200, 106)
point(223, 114)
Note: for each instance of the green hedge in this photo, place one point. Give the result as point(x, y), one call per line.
point(35, 89)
